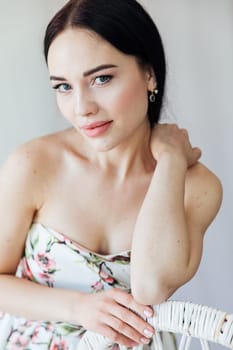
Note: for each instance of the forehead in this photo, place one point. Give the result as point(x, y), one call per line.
point(83, 49)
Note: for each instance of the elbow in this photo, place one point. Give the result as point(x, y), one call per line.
point(148, 294)
point(149, 291)
point(153, 291)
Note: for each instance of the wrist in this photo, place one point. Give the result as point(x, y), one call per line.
point(75, 301)
point(172, 158)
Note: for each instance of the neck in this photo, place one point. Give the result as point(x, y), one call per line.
point(133, 156)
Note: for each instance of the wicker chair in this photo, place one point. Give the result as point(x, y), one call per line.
point(188, 320)
point(192, 321)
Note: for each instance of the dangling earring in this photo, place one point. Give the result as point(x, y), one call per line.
point(152, 96)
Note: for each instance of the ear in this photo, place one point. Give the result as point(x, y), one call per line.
point(151, 79)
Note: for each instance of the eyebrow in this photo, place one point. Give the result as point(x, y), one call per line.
point(89, 72)
point(98, 68)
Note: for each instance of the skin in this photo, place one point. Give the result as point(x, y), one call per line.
point(162, 199)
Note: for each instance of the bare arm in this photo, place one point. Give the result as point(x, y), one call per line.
point(179, 206)
point(115, 313)
point(21, 194)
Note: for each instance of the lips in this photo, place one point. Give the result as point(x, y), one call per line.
point(94, 125)
point(96, 129)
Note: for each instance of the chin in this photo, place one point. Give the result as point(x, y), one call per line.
point(102, 146)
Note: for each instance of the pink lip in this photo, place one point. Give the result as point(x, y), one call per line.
point(96, 129)
point(93, 125)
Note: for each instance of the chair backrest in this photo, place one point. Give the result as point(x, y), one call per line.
point(191, 320)
point(176, 317)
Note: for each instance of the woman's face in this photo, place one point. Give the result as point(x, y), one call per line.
point(100, 91)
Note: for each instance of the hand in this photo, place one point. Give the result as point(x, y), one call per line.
point(116, 315)
point(169, 138)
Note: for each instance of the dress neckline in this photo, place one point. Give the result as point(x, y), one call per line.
point(63, 236)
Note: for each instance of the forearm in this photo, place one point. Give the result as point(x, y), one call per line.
point(29, 300)
point(160, 249)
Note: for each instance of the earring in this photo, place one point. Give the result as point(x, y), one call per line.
point(152, 96)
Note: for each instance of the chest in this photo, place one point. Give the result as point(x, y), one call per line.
point(95, 213)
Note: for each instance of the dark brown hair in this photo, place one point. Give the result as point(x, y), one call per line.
point(123, 23)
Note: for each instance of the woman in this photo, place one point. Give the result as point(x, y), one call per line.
point(109, 215)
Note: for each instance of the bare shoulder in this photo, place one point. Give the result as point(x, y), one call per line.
point(31, 165)
point(203, 194)
point(37, 154)
point(24, 179)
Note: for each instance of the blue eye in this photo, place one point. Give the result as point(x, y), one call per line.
point(63, 88)
point(103, 79)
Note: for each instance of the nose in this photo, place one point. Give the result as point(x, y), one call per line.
point(84, 104)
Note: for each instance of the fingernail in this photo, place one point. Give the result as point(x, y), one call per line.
point(148, 313)
point(148, 333)
point(145, 340)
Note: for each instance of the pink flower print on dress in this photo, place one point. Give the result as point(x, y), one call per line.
point(26, 271)
point(17, 342)
point(98, 286)
point(59, 345)
point(47, 278)
point(45, 262)
point(106, 274)
point(36, 332)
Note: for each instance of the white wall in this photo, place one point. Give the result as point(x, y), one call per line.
point(27, 108)
point(198, 40)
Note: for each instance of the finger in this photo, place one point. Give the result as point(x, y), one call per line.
point(123, 329)
point(196, 153)
point(185, 132)
point(130, 324)
point(116, 337)
point(129, 302)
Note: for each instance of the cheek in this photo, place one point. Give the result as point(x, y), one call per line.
point(65, 107)
point(131, 100)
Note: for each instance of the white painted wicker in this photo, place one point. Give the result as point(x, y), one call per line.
point(185, 318)
point(191, 320)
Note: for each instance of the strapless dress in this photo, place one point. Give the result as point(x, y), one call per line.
point(52, 259)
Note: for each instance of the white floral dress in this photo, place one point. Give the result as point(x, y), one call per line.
point(54, 260)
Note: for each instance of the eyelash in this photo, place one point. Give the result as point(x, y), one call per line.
point(107, 77)
point(58, 86)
